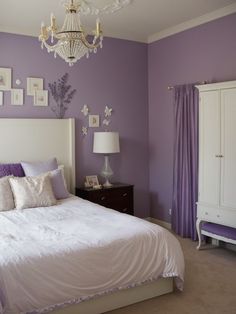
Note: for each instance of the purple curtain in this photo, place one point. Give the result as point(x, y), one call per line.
point(185, 177)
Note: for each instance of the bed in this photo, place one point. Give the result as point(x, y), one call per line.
point(76, 256)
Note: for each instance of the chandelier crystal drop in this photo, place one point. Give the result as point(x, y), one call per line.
point(72, 40)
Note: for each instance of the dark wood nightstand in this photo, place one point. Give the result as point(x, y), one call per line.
point(118, 196)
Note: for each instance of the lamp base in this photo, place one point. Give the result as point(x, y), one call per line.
point(107, 184)
point(106, 172)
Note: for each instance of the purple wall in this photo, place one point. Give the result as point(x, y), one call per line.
point(123, 75)
point(116, 76)
point(207, 52)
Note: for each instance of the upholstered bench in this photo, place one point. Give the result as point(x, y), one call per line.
point(219, 232)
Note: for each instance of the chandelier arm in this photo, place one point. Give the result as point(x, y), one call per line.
point(88, 44)
point(49, 47)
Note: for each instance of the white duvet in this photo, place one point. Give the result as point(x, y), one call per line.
point(55, 256)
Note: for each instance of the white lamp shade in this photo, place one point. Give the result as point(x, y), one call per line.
point(106, 142)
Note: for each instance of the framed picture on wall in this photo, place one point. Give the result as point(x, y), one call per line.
point(41, 98)
point(33, 84)
point(93, 121)
point(17, 97)
point(5, 78)
point(1, 98)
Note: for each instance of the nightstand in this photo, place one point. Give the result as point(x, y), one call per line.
point(118, 196)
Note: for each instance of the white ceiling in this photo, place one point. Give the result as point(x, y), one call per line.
point(142, 20)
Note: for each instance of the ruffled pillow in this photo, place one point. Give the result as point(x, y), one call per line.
point(6, 197)
point(30, 192)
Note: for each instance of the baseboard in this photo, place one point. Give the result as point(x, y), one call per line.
point(161, 223)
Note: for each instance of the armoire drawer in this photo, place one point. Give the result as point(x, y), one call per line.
point(215, 215)
point(209, 214)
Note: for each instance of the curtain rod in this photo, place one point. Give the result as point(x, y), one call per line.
point(201, 83)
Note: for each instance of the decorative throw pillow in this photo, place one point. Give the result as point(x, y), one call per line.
point(32, 169)
point(11, 169)
point(6, 197)
point(62, 168)
point(32, 192)
point(58, 184)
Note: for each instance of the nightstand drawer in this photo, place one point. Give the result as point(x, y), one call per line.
point(121, 206)
point(118, 197)
point(100, 197)
point(121, 193)
point(121, 200)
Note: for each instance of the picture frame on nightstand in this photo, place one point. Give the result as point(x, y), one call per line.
point(91, 181)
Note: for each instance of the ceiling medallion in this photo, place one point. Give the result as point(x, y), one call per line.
point(72, 40)
point(106, 6)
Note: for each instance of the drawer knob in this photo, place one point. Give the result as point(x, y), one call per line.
point(206, 213)
point(103, 198)
point(124, 210)
point(125, 194)
point(218, 216)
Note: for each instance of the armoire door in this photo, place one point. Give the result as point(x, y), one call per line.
point(228, 148)
point(209, 148)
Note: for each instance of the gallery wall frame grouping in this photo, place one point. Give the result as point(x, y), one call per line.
point(94, 119)
point(34, 88)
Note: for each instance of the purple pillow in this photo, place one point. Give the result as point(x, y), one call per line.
point(11, 169)
point(33, 169)
point(58, 184)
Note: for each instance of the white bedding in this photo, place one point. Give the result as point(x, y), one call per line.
point(59, 255)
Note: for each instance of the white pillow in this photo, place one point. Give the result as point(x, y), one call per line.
point(30, 192)
point(6, 197)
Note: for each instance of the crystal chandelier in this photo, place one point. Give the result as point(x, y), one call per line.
point(72, 40)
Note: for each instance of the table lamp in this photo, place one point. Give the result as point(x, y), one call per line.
point(106, 143)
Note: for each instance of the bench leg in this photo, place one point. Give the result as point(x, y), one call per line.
point(198, 226)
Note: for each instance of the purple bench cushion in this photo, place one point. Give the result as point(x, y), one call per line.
point(224, 231)
point(11, 169)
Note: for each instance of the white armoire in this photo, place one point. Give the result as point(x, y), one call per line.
point(217, 156)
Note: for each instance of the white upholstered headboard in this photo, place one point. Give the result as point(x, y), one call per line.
point(37, 140)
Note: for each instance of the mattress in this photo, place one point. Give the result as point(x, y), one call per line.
point(51, 257)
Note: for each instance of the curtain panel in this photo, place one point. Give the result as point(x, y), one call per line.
point(185, 176)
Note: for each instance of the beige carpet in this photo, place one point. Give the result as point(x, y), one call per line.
point(210, 286)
